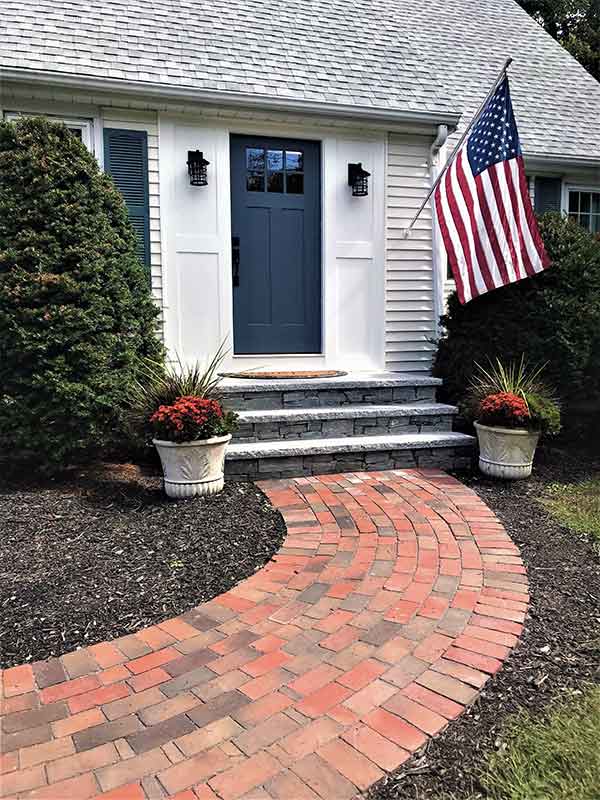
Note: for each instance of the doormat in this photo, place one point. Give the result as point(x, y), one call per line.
point(276, 376)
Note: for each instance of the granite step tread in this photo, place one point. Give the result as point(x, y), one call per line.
point(375, 380)
point(346, 412)
point(351, 444)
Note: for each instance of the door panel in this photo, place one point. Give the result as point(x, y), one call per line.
point(276, 215)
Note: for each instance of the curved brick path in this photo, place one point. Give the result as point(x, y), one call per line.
point(395, 596)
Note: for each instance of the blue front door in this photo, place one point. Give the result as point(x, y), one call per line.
point(276, 245)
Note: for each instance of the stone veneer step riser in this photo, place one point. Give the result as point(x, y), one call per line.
point(319, 429)
point(329, 463)
point(322, 398)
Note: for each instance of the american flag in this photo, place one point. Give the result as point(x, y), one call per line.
point(483, 207)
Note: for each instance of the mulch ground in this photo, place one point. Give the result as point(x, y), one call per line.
point(96, 556)
point(559, 651)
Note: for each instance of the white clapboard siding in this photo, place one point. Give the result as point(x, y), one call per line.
point(145, 121)
point(409, 295)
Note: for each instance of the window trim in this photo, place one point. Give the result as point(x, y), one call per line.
point(576, 187)
point(86, 126)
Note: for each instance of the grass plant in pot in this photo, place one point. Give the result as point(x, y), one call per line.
point(511, 408)
point(178, 408)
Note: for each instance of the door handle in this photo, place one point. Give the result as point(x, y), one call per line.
point(235, 260)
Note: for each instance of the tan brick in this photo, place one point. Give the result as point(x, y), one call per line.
point(309, 739)
point(242, 778)
point(81, 787)
point(209, 736)
point(132, 769)
point(48, 751)
point(193, 770)
point(133, 703)
point(15, 782)
point(67, 767)
point(78, 722)
point(324, 779)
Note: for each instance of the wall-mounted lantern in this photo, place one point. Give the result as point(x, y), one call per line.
point(197, 165)
point(358, 179)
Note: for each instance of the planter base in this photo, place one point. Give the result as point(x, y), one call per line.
point(178, 490)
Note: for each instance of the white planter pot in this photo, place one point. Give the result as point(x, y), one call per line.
point(505, 452)
point(193, 468)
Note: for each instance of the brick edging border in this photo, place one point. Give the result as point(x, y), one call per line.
point(393, 599)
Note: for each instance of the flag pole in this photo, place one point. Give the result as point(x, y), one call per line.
point(407, 231)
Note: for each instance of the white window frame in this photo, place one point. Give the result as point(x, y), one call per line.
point(86, 126)
point(573, 187)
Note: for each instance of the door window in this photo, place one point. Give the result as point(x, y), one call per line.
point(278, 171)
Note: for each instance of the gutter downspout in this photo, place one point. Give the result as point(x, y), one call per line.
point(439, 255)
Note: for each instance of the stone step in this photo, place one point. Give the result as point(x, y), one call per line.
point(293, 458)
point(380, 388)
point(345, 420)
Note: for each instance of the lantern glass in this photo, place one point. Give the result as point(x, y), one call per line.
point(358, 179)
point(197, 165)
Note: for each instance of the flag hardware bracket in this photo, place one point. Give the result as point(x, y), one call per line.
point(407, 231)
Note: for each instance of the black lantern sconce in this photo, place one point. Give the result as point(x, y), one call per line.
point(358, 179)
point(197, 165)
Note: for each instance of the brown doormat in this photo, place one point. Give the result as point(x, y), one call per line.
point(276, 376)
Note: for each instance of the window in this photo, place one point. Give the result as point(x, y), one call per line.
point(280, 171)
point(82, 128)
point(584, 208)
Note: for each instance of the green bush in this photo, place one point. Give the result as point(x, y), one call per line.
point(552, 319)
point(76, 314)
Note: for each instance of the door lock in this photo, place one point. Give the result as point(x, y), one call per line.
point(235, 260)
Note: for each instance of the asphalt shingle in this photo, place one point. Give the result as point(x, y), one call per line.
point(437, 56)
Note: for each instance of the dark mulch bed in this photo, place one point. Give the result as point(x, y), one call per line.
point(559, 651)
point(98, 555)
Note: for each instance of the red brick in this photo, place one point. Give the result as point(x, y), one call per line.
point(436, 702)
point(146, 680)
point(81, 787)
point(401, 612)
point(153, 660)
point(178, 628)
point(9, 762)
point(69, 689)
point(266, 663)
point(487, 634)
point(328, 696)
point(475, 660)
point(461, 671)
point(362, 674)
point(268, 643)
point(21, 702)
point(252, 772)
point(395, 729)
point(340, 639)
point(376, 747)
point(334, 621)
point(106, 655)
point(131, 791)
point(114, 674)
point(259, 687)
point(154, 637)
point(352, 764)
point(262, 709)
point(78, 722)
point(310, 738)
point(371, 696)
point(431, 648)
point(485, 648)
point(418, 715)
point(18, 680)
point(97, 697)
point(314, 679)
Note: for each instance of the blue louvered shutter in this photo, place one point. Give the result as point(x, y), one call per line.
point(547, 194)
point(126, 161)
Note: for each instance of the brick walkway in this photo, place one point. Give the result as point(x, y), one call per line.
point(394, 598)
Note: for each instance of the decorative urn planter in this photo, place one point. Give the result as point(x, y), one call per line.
point(506, 452)
point(193, 468)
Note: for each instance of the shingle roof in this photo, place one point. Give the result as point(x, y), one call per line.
point(437, 56)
